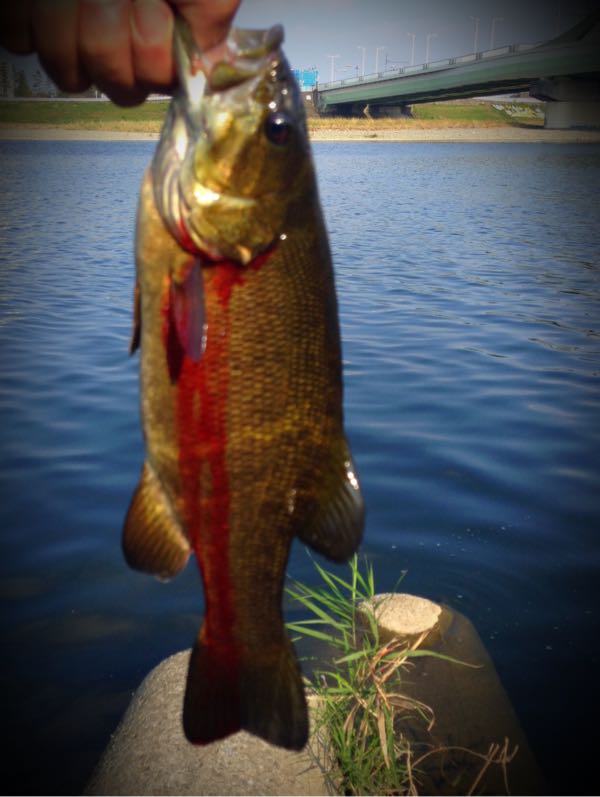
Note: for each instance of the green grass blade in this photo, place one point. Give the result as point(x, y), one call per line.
point(304, 592)
point(304, 631)
point(415, 654)
point(358, 654)
point(330, 580)
point(371, 580)
point(357, 575)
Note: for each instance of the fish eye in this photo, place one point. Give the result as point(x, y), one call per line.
point(278, 128)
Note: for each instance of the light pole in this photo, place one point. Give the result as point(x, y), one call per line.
point(364, 50)
point(333, 57)
point(493, 31)
point(476, 21)
point(429, 37)
point(377, 49)
point(412, 52)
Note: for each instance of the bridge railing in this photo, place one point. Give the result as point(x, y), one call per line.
point(496, 51)
point(431, 66)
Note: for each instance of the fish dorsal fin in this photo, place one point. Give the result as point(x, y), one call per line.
point(335, 528)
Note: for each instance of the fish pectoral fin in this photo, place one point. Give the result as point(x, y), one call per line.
point(260, 691)
point(187, 318)
point(336, 525)
point(152, 539)
point(137, 320)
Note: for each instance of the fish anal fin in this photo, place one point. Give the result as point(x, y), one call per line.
point(152, 539)
point(334, 529)
point(260, 692)
point(137, 320)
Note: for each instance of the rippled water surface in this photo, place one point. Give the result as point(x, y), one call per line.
point(469, 287)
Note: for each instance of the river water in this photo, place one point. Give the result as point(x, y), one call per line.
point(469, 287)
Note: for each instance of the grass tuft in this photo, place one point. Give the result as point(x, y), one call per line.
point(374, 730)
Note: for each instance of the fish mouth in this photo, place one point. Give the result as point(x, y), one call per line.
point(247, 53)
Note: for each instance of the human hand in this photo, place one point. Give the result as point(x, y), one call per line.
point(123, 47)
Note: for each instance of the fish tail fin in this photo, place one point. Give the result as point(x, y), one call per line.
point(260, 692)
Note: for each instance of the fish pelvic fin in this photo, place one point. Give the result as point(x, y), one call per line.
point(260, 692)
point(334, 529)
point(152, 539)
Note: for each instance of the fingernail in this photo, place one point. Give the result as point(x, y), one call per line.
point(152, 20)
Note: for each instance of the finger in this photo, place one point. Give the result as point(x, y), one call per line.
point(54, 34)
point(105, 49)
point(151, 40)
point(15, 32)
point(209, 19)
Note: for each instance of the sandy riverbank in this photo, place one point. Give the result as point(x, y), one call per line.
point(464, 135)
point(417, 135)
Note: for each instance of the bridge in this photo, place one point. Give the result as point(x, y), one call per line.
point(565, 72)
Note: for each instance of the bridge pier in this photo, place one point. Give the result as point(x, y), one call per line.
point(370, 110)
point(570, 102)
point(338, 110)
point(400, 111)
point(565, 115)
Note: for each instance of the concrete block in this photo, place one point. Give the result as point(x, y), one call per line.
point(470, 706)
point(149, 754)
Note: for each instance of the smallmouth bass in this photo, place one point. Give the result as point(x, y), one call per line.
point(240, 377)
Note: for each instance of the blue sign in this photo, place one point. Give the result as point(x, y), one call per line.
point(307, 78)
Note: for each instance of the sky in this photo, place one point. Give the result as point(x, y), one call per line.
point(318, 29)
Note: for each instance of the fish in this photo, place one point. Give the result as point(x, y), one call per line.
point(236, 320)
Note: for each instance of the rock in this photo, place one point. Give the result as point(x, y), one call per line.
point(471, 709)
point(149, 754)
point(402, 615)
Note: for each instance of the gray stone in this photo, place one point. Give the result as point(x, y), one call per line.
point(471, 709)
point(149, 754)
point(401, 614)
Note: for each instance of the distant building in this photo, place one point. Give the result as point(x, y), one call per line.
point(307, 78)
